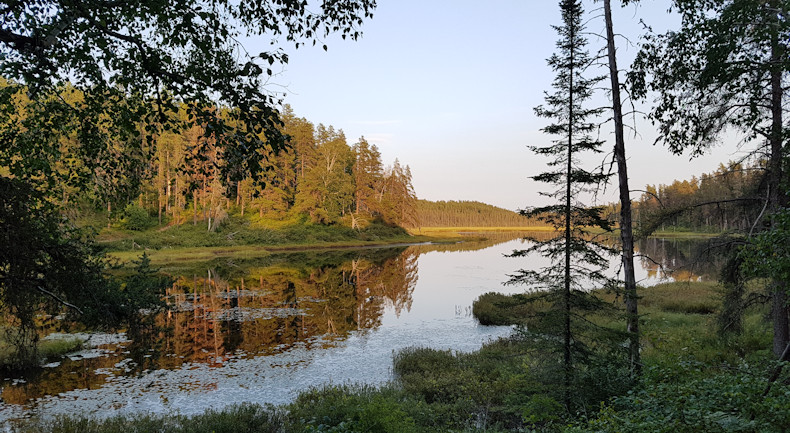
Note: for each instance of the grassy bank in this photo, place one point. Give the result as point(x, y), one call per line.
point(693, 381)
point(48, 348)
point(240, 236)
point(459, 231)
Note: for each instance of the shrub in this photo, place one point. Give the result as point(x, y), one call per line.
point(136, 218)
point(497, 309)
point(353, 409)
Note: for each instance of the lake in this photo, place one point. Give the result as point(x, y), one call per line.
point(263, 329)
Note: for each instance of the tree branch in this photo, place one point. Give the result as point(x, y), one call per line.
point(57, 298)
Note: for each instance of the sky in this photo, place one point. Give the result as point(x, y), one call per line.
point(449, 86)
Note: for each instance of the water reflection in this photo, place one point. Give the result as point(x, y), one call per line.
point(243, 308)
point(678, 259)
point(232, 324)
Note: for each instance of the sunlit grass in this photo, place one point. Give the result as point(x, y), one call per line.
point(458, 231)
point(48, 348)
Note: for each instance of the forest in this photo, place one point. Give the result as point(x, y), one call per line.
point(468, 214)
point(727, 199)
point(174, 177)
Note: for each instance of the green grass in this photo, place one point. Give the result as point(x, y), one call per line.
point(241, 231)
point(52, 348)
point(47, 349)
point(234, 419)
point(497, 309)
point(456, 231)
point(239, 237)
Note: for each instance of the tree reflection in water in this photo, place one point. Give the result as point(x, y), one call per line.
point(242, 308)
point(681, 259)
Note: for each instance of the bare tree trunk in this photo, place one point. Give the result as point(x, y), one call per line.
point(626, 226)
point(168, 192)
point(160, 188)
point(777, 198)
point(194, 207)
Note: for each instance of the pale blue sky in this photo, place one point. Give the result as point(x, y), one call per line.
point(448, 87)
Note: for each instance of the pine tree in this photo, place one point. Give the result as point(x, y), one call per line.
point(578, 264)
point(368, 173)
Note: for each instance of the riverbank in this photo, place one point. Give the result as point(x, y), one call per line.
point(460, 231)
point(188, 243)
point(239, 237)
point(693, 381)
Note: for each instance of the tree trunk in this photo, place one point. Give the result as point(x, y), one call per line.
point(626, 226)
point(777, 197)
point(168, 182)
point(567, 361)
point(194, 207)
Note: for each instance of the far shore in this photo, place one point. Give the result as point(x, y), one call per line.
point(418, 236)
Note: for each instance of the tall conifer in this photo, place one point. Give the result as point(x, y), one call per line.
point(577, 263)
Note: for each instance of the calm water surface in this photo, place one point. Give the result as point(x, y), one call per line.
point(262, 330)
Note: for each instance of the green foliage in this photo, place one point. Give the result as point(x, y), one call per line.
point(55, 347)
point(714, 72)
point(57, 271)
point(468, 214)
point(237, 231)
point(767, 255)
point(487, 387)
point(104, 50)
point(497, 309)
point(578, 262)
point(49, 348)
point(694, 397)
point(509, 383)
point(240, 418)
point(728, 199)
point(46, 266)
point(136, 218)
point(340, 409)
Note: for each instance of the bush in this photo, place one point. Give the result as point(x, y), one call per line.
point(695, 397)
point(136, 218)
point(481, 389)
point(354, 409)
point(497, 309)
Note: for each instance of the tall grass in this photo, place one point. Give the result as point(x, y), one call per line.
point(46, 349)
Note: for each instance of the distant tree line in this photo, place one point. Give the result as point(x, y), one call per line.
point(469, 214)
point(727, 199)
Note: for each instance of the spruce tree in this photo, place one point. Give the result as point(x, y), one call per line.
point(577, 262)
